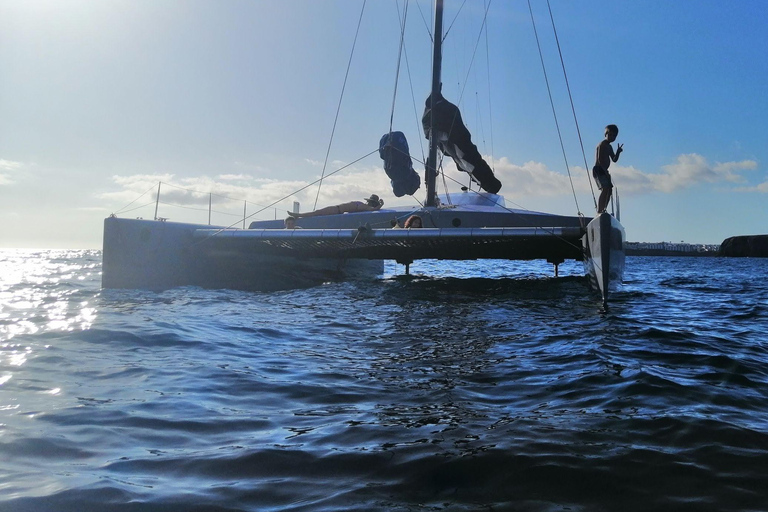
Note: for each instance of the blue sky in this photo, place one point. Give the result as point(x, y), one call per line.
point(101, 100)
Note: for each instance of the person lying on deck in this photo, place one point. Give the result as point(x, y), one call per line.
point(371, 204)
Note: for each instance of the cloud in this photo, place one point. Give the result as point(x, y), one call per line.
point(535, 179)
point(8, 165)
point(272, 196)
point(269, 198)
point(234, 177)
point(761, 188)
point(687, 171)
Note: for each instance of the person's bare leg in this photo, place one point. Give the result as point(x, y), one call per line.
point(605, 197)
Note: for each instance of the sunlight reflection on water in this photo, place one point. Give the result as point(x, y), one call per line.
point(39, 291)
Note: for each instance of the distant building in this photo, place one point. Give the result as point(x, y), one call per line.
point(670, 249)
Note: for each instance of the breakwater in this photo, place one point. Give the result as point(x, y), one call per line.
point(754, 246)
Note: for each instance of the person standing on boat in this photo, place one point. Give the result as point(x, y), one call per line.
point(371, 204)
point(603, 156)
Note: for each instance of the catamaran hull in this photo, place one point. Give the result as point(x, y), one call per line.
point(149, 254)
point(154, 255)
point(604, 253)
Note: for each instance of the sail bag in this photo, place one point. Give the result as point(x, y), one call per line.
point(393, 149)
point(455, 141)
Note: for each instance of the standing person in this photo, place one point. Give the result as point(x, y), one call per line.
point(603, 156)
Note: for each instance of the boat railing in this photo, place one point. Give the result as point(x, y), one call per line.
point(199, 201)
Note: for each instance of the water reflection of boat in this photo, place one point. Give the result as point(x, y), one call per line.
point(473, 225)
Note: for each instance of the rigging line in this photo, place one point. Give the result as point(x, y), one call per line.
point(471, 62)
point(413, 100)
point(454, 20)
point(474, 52)
point(466, 78)
point(129, 204)
point(550, 230)
point(213, 194)
point(552, 103)
point(399, 58)
point(202, 209)
point(137, 208)
point(490, 107)
point(338, 108)
point(289, 195)
point(445, 184)
point(573, 109)
point(410, 82)
point(429, 31)
point(480, 118)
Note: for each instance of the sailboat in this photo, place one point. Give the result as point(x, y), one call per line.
point(159, 254)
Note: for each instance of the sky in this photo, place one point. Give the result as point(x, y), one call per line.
point(242, 104)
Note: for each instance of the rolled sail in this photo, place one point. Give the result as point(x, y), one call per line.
point(393, 149)
point(455, 141)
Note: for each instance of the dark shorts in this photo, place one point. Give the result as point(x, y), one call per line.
point(602, 177)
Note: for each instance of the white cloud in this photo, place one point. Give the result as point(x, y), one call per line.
point(227, 192)
point(535, 179)
point(91, 209)
point(761, 188)
point(234, 177)
point(688, 170)
point(8, 165)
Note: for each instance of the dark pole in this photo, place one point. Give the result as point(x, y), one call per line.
point(430, 174)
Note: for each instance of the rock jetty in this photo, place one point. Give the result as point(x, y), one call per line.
point(752, 246)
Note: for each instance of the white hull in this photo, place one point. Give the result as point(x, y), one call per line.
point(154, 255)
point(604, 254)
point(148, 254)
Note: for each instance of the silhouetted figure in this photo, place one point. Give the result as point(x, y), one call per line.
point(603, 156)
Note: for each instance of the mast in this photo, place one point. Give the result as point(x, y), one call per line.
point(430, 173)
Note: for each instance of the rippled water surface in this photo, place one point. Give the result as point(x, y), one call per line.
point(482, 386)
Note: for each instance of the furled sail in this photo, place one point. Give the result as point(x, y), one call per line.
point(393, 149)
point(455, 141)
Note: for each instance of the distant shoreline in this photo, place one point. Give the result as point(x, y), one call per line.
point(671, 249)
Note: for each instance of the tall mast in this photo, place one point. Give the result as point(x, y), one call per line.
point(430, 174)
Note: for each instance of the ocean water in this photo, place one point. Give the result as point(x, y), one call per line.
point(468, 386)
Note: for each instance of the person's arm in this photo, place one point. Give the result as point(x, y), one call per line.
point(615, 157)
